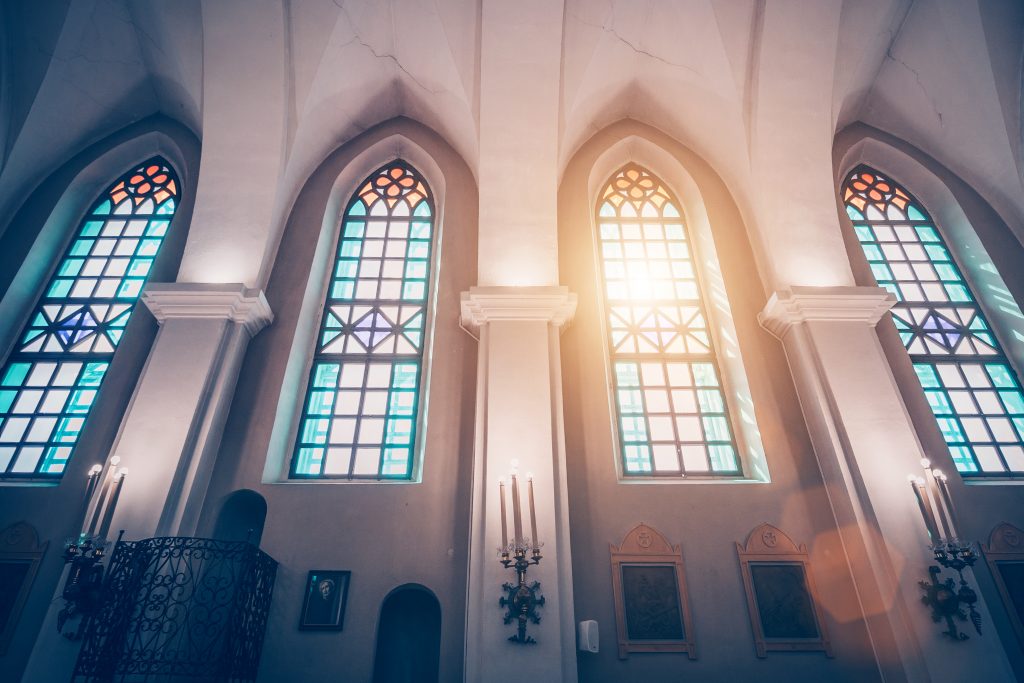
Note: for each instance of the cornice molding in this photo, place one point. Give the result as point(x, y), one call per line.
point(482, 305)
point(788, 307)
point(233, 302)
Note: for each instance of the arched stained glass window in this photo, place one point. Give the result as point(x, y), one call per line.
point(50, 381)
point(673, 418)
point(361, 409)
point(969, 383)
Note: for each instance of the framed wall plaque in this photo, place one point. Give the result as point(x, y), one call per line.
point(652, 609)
point(323, 607)
point(20, 555)
point(785, 613)
point(1005, 557)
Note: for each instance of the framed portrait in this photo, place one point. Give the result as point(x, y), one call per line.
point(784, 610)
point(1004, 555)
point(652, 612)
point(323, 606)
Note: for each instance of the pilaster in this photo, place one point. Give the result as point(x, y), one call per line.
point(169, 437)
point(865, 444)
point(519, 417)
point(172, 430)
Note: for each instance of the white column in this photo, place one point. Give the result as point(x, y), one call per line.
point(519, 417)
point(171, 433)
point(865, 446)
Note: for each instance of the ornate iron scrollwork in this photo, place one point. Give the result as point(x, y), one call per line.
point(179, 607)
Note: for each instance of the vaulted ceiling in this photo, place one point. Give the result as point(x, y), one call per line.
point(740, 81)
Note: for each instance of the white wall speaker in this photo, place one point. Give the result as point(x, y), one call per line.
point(587, 636)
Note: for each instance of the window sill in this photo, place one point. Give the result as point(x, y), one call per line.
point(690, 480)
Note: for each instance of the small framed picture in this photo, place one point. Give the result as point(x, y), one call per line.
point(323, 608)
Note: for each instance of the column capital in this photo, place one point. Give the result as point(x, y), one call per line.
point(215, 301)
point(482, 305)
point(795, 305)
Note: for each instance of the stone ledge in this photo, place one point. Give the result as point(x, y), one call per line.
point(788, 307)
point(482, 305)
point(232, 301)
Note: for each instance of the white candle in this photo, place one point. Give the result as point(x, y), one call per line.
point(517, 516)
point(108, 515)
point(90, 488)
point(947, 503)
point(504, 524)
point(936, 504)
point(929, 521)
point(104, 493)
point(533, 512)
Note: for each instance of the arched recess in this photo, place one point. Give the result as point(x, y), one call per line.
point(39, 231)
point(30, 245)
point(241, 517)
point(325, 197)
point(732, 300)
point(983, 245)
point(408, 637)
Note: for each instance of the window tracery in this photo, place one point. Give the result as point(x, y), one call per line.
point(50, 381)
point(362, 403)
point(971, 387)
point(672, 415)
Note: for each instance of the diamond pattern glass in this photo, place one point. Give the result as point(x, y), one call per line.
point(673, 419)
point(968, 381)
point(359, 419)
point(52, 377)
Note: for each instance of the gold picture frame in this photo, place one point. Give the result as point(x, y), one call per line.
point(652, 606)
point(1006, 547)
point(785, 612)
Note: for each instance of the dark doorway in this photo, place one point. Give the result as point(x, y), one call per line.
point(241, 517)
point(408, 637)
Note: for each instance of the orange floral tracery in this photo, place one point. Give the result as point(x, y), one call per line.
point(636, 186)
point(866, 188)
point(152, 181)
point(395, 184)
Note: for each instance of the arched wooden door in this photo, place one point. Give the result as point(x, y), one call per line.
point(408, 637)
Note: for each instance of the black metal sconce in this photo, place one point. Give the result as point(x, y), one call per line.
point(522, 599)
point(83, 587)
point(948, 598)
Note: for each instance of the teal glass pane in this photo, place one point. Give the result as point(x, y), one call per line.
point(956, 357)
point(55, 372)
point(627, 374)
point(704, 375)
point(631, 402)
point(716, 429)
point(939, 402)
point(326, 375)
point(366, 369)
point(723, 458)
point(1000, 375)
point(634, 429)
point(927, 375)
point(637, 459)
point(1013, 401)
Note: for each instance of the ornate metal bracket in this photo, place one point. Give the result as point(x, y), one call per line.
point(947, 602)
point(83, 588)
point(521, 599)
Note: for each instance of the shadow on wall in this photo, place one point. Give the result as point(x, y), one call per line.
point(241, 517)
point(408, 637)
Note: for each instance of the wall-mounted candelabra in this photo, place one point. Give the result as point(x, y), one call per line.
point(521, 599)
point(948, 598)
point(83, 587)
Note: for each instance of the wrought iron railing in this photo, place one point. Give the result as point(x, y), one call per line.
point(179, 608)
